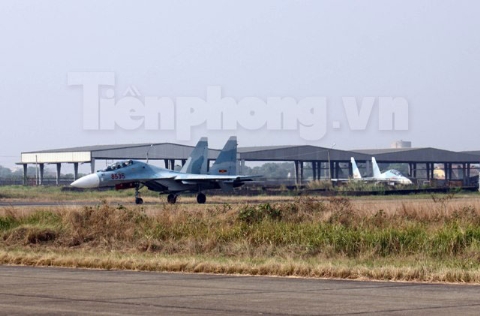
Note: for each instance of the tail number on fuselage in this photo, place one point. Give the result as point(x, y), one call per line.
point(118, 176)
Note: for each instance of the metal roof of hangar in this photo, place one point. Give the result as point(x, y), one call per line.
point(419, 155)
point(261, 153)
point(472, 152)
point(114, 152)
point(302, 153)
point(85, 148)
point(155, 151)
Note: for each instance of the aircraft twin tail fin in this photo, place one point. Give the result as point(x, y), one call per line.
point(355, 170)
point(226, 162)
point(376, 169)
point(197, 162)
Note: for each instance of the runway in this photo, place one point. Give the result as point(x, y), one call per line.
point(57, 291)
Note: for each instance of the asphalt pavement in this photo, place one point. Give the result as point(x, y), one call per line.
point(59, 291)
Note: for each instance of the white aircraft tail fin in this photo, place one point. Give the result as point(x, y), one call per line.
point(197, 162)
point(226, 162)
point(376, 170)
point(355, 171)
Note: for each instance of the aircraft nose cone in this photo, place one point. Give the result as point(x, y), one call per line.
point(87, 182)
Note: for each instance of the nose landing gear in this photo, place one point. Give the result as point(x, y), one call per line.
point(201, 198)
point(138, 199)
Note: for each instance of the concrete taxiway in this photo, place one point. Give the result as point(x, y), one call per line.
point(28, 290)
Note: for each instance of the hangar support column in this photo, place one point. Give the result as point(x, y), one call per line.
point(331, 169)
point(301, 172)
point(368, 167)
point(314, 170)
point(92, 165)
point(25, 169)
point(59, 168)
point(410, 169)
point(317, 170)
point(75, 170)
point(337, 167)
point(172, 164)
point(42, 169)
point(468, 173)
point(297, 171)
point(450, 171)
point(448, 174)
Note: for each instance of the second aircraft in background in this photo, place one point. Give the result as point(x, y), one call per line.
point(390, 176)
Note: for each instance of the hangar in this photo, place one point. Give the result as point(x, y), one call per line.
point(421, 161)
point(325, 162)
point(90, 154)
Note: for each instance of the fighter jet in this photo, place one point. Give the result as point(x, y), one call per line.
point(193, 177)
point(391, 176)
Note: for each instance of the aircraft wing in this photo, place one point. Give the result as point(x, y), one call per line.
point(369, 179)
point(204, 177)
point(366, 180)
point(341, 180)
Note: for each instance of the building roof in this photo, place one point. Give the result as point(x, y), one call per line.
point(114, 152)
point(304, 153)
point(419, 155)
point(97, 148)
point(472, 152)
point(261, 153)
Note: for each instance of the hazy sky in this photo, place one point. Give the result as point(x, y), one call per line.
point(427, 52)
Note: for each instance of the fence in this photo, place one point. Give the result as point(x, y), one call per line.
point(33, 181)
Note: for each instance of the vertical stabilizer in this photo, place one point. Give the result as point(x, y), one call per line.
point(226, 162)
point(355, 171)
point(376, 170)
point(197, 162)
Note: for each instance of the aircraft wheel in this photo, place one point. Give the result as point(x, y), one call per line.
point(201, 198)
point(171, 198)
point(138, 201)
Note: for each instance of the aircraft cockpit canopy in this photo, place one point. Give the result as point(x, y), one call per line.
point(395, 172)
point(119, 165)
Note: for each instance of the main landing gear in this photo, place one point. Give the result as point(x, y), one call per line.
point(172, 198)
point(138, 199)
point(201, 198)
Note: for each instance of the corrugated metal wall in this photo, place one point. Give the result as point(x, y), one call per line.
point(56, 157)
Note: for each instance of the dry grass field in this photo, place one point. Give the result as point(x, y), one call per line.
point(422, 238)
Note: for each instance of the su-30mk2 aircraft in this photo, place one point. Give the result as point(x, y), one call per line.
point(193, 177)
point(390, 176)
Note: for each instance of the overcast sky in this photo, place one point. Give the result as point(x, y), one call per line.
point(426, 52)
